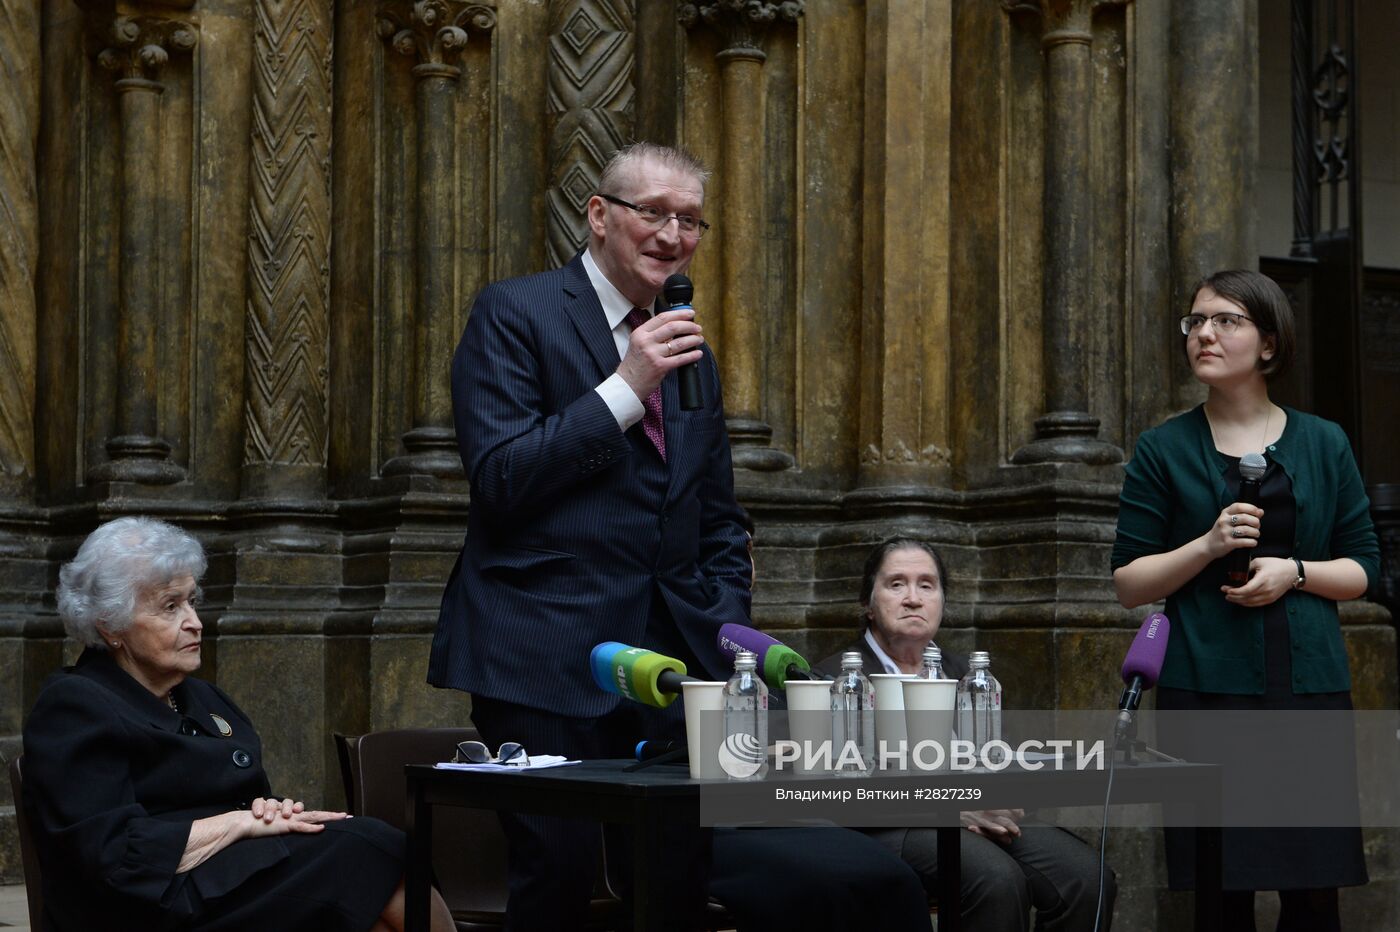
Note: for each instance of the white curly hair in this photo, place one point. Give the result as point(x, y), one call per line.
point(117, 562)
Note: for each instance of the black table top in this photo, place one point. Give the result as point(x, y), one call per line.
point(668, 780)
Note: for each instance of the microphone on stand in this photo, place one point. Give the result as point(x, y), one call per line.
point(1252, 469)
point(637, 673)
point(778, 662)
point(678, 293)
point(1141, 667)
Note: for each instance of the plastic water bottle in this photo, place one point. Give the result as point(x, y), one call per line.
point(933, 664)
point(744, 755)
point(979, 705)
point(852, 719)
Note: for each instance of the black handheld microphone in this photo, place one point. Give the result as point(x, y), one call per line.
point(1252, 469)
point(651, 753)
point(647, 750)
point(679, 292)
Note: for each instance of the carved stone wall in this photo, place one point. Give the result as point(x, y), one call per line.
point(288, 345)
point(591, 88)
point(19, 236)
point(945, 233)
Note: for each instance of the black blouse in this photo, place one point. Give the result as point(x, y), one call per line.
point(113, 779)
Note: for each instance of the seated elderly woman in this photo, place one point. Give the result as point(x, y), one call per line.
point(150, 806)
point(1009, 865)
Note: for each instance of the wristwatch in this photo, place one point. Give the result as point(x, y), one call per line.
point(1302, 578)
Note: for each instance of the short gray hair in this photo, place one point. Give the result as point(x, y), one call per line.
point(114, 565)
point(612, 179)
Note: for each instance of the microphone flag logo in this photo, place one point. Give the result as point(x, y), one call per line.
point(740, 756)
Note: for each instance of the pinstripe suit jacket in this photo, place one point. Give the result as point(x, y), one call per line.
point(574, 525)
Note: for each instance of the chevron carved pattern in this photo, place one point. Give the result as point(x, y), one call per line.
point(19, 231)
point(591, 59)
point(287, 344)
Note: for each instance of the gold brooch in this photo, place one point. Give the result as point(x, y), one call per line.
point(223, 726)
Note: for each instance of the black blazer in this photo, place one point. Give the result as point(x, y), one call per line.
point(578, 532)
point(954, 665)
point(113, 777)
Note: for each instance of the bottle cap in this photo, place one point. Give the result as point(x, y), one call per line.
point(932, 653)
point(979, 658)
point(745, 661)
point(850, 660)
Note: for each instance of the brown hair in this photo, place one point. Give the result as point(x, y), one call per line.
point(887, 547)
point(1267, 306)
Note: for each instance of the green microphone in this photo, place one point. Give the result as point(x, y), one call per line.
point(638, 674)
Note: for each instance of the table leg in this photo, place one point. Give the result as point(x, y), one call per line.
point(949, 878)
point(646, 852)
point(1209, 878)
point(419, 820)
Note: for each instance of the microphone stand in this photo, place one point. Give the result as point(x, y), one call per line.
point(1125, 739)
point(1146, 748)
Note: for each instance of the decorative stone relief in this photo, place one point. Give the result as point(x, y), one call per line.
point(591, 60)
point(287, 354)
point(433, 31)
point(742, 21)
point(142, 45)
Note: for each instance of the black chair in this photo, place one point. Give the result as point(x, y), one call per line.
point(29, 857)
point(469, 847)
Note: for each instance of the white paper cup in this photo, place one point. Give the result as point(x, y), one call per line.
point(889, 711)
point(809, 720)
point(704, 728)
point(928, 716)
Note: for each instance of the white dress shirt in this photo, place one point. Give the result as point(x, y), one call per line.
point(626, 407)
point(889, 665)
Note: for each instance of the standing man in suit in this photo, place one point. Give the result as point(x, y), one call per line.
point(600, 510)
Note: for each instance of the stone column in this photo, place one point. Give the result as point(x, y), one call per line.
point(30, 643)
point(905, 243)
point(434, 33)
point(287, 349)
point(141, 48)
point(591, 91)
point(742, 26)
point(1214, 135)
point(1066, 432)
point(20, 61)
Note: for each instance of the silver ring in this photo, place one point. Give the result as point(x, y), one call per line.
point(1234, 520)
point(1236, 533)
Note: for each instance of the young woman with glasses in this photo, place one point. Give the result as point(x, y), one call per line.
point(1272, 642)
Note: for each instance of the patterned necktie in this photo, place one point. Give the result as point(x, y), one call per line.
point(651, 420)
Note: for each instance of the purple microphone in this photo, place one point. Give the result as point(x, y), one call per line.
point(1143, 664)
point(778, 662)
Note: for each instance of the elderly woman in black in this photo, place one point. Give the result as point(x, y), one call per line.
point(1010, 866)
point(146, 789)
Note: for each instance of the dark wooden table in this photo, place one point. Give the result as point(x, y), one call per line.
point(646, 799)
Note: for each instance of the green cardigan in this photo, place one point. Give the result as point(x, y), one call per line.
point(1173, 492)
